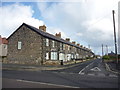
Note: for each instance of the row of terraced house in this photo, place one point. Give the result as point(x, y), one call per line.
point(30, 45)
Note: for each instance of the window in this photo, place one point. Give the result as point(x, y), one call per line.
point(61, 56)
point(53, 55)
point(47, 42)
point(68, 47)
point(47, 56)
point(68, 56)
point(5, 46)
point(19, 45)
point(75, 49)
point(77, 56)
point(61, 46)
point(53, 43)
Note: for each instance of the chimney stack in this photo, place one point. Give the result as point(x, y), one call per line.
point(68, 39)
point(73, 42)
point(78, 44)
point(81, 46)
point(58, 35)
point(43, 28)
point(4, 41)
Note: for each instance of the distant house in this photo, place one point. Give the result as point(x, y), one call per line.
point(3, 46)
point(29, 45)
point(111, 53)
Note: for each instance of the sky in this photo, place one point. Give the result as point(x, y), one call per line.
point(88, 22)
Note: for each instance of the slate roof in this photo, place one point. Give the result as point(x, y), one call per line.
point(50, 36)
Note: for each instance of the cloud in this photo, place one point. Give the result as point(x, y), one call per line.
point(12, 16)
point(87, 22)
point(79, 34)
point(53, 31)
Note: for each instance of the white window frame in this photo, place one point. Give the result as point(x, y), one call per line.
point(19, 45)
point(53, 43)
point(68, 47)
point(61, 46)
point(61, 56)
point(47, 56)
point(54, 56)
point(5, 46)
point(69, 57)
point(47, 42)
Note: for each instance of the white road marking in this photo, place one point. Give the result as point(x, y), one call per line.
point(85, 68)
point(95, 69)
point(108, 68)
point(82, 73)
point(111, 75)
point(46, 83)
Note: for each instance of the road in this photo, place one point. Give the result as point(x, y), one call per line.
point(90, 74)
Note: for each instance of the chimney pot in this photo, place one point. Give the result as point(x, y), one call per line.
point(67, 39)
point(81, 46)
point(73, 42)
point(78, 44)
point(58, 35)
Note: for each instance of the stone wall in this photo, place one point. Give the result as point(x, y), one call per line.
point(31, 50)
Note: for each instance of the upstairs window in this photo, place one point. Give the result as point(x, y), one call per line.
point(47, 42)
point(61, 46)
point(68, 47)
point(19, 44)
point(53, 43)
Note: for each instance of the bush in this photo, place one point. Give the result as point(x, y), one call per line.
point(106, 57)
point(113, 57)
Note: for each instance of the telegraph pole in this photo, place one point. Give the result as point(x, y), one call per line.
point(113, 12)
point(106, 50)
point(102, 50)
point(102, 53)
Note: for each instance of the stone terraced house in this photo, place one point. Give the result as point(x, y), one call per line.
point(29, 45)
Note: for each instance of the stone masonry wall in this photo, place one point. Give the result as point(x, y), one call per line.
point(31, 50)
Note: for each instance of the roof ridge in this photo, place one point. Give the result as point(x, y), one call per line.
point(48, 35)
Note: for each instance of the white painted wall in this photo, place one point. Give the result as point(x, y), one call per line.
point(3, 50)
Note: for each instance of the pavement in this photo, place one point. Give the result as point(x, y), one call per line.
point(40, 67)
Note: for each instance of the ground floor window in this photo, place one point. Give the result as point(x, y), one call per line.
point(77, 56)
point(61, 56)
point(53, 55)
point(72, 56)
point(68, 56)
